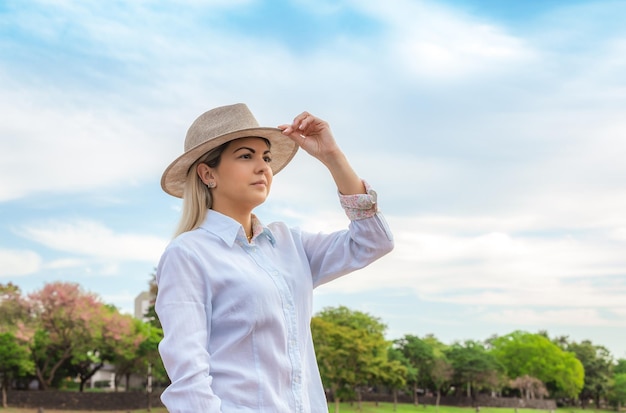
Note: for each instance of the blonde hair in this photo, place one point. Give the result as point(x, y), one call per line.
point(197, 197)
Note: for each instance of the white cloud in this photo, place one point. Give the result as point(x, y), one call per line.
point(16, 263)
point(436, 42)
point(64, 263)
point(466, 265)
point(567, 317)
point(92, 239)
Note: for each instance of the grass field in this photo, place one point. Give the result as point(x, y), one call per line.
point(352, 408)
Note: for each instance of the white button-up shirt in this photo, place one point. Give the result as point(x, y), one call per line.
point(236, 315)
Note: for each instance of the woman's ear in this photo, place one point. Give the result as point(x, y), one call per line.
point(205, 173)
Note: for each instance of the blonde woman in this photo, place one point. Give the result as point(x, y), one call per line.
point(235, 295)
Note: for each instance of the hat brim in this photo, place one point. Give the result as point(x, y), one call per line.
point(175, 175)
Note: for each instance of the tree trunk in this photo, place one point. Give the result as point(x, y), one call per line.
point(336, 404)
point(469, 389)
point(415, 399)
point(359, 398)
point(395, 400)
point(5, 386)
point(42, 381)
point(438, 398)
point(89, 375)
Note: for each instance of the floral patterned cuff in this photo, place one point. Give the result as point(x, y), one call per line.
point(360, 206)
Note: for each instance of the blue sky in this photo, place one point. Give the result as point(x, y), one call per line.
point(494, 133)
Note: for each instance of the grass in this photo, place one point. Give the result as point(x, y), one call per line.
point(410, 408)
point(353, 408)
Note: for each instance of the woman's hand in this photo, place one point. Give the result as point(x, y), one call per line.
point(314, 136)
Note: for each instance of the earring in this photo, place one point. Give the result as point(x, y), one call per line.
point(211, 184)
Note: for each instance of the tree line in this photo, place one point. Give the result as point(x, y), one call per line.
point(354, 357)
point(61, 335)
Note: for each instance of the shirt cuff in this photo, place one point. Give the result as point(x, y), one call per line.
point(360, 206)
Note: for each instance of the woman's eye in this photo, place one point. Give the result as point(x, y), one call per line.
point(246, 156)
point(267, 159)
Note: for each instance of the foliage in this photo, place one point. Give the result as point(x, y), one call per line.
point(523, 353)
point(597, 363)
point(13, 309)
point(617, 393)
point(475, 368)
point(14, 362)
point(420, 356)
point(151, 314)
point(620, 366)
point(71, 333)
point(68, 320)
point(441, 374)
point(352, 352)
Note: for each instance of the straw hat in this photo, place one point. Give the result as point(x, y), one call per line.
point(218, 126)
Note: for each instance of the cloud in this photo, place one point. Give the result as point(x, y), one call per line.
point(436, 42)
point(462, 261)
point(94, 240)
point(577, 316)
point(17, 263)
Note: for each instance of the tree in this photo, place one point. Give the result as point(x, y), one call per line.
point(111, 333)
point(394, 373)
point(151, 314)
point(617, 392)
point(597, 363)
point(529, 387)
point(12, 307)
point(441, 373)
point(352, 341)
point(620, 366)
point(474, 367)
point(336, 349)
point(14, 362)
point(138, 353)
point(523, 353)
point(420, 355)
point(68, 321)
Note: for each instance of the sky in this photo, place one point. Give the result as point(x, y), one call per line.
point(494, 133)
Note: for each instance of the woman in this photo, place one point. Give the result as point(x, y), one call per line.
point(235, 296)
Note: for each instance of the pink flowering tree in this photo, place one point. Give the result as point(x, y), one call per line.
point(75, 332)
point(111, 333)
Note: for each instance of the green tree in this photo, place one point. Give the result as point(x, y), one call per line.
point(523, 353)
point(617, 393)
point(394, 373)
point(13, 309)
point(359, 337)
point(474, 367)
point(151, 314)
point(620, 366)
point(420, 354)
point(111, 332)
point(598, 363)
point(337, 351)
point(14, 362)
point(441, 373)
point(138, 353)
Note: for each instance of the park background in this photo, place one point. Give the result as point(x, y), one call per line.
point(492, 131)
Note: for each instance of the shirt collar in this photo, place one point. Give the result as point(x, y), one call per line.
point(228, 230)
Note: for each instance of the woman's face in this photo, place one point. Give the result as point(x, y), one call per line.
point(243, 177)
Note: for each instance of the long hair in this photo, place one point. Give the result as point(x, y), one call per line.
point(197, 197)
